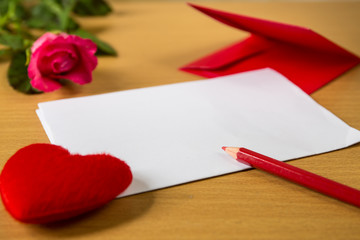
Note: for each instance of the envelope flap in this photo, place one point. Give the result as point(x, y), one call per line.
point(273, 30)
point(239, 51)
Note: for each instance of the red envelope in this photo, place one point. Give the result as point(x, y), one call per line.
point(306, 58)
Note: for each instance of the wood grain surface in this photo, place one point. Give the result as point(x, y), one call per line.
point(153, 39)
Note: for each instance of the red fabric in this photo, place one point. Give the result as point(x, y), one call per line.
point(43, 183)
point(306, 58)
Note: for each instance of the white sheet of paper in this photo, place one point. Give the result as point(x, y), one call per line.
point(173, 134)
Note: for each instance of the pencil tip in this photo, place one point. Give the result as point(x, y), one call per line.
point(232, 151)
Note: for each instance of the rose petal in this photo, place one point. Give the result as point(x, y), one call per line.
point(82, 73)
point(57, 46)
point(45, 84)
point(87, 49)
point(37, 80)
point(63, 62)
point(47, 37)
point(67, 58)
point(79, 75)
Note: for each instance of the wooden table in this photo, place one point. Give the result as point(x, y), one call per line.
point(153, 39)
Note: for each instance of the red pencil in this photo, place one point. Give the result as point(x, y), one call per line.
point(297, 175)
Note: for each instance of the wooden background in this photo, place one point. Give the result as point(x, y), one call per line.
point(153, 39)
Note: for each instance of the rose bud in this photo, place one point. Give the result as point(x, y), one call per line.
point(61, 56)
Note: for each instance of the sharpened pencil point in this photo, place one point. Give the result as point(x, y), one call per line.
point(232, 151)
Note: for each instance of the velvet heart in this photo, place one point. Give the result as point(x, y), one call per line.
point(44, 183)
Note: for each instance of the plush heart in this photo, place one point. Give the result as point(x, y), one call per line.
point(43, 183)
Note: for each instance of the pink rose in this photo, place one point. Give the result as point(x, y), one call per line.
point(61, 56)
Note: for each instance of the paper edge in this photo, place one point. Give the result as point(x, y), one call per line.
point(45, 126)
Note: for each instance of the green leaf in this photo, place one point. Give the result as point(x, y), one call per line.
point(42, 17)
point(13, 41)
point(20, 11)
point(103, 47)
point(11, 11)
point(62, 9)
point(5, 54)
point(18, 76)
point(3, 7)
point(92, 8)
point(53, 6)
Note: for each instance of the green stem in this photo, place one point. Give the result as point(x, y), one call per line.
point(62, 12)
point(68, 8)
point(3, 21)
point(9, 15)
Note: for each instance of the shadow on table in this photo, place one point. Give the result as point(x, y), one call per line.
point(117, 212)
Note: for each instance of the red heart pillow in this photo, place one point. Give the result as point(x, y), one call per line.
point(43, 183)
